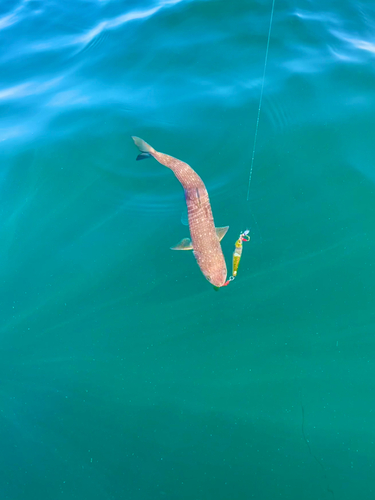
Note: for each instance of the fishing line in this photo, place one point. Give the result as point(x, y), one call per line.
point(328, 488)
point(260, 100)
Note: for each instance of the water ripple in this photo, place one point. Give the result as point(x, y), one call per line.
point(29, 89)
point(13, 17)
point(88, 36)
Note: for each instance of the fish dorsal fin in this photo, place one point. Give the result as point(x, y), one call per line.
point(184, 244)
point(221, 232)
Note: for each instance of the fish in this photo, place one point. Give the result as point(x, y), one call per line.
point(204, 236)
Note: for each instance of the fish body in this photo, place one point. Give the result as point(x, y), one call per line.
point(205, 238)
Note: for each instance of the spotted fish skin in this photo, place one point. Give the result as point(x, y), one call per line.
point(204, 239)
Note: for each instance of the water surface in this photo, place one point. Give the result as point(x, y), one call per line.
point(123, 374)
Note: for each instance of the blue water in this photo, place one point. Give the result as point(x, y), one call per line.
point(123, 375)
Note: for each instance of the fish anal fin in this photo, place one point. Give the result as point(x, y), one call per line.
point(143, 156)
point(184, 244)
point(221, 232)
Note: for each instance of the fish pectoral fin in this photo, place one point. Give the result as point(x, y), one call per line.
point(184, 244)
point(221, 232)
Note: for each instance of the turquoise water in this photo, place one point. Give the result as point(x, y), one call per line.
point(123, 374)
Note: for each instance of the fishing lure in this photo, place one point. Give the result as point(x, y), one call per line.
point(238, 246)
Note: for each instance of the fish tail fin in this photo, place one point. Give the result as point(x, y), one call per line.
point(145, 149)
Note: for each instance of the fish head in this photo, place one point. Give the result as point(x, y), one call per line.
point(217, 277)
point(214, 270)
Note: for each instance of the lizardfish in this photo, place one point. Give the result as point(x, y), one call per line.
point(205, 238)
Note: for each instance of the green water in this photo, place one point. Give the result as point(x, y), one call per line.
point(123, 374)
